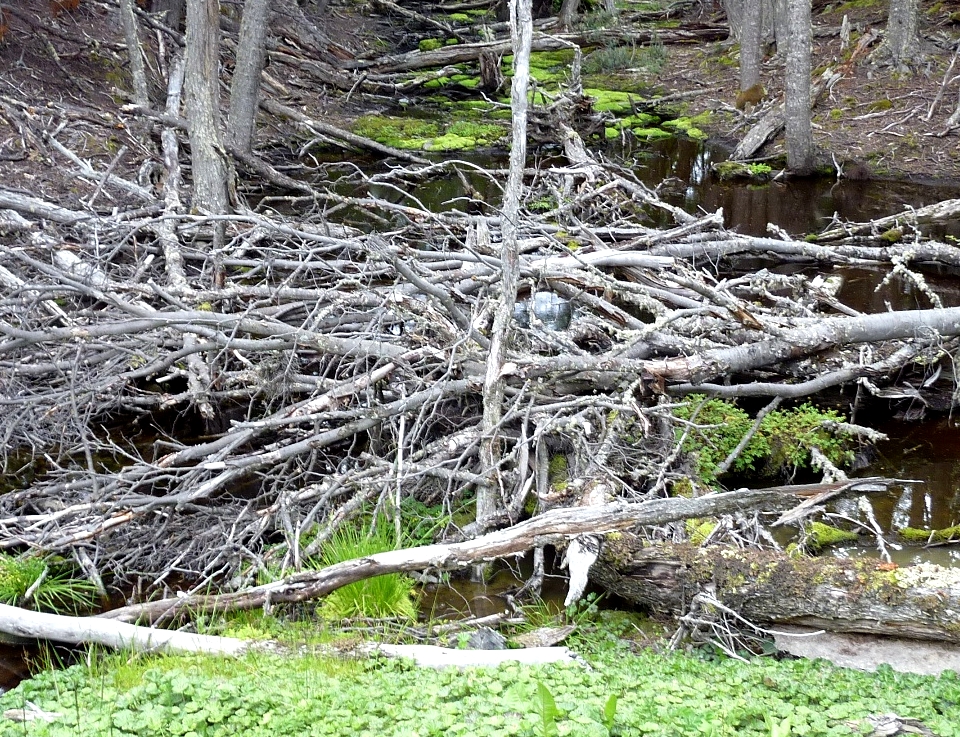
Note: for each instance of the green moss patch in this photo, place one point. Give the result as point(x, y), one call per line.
point(685, 126)
point(820, 535)
point(403, 133)
point(731, 170)
point(921, 536)
point(611, 100)
point(651, 134)
point(418, 134)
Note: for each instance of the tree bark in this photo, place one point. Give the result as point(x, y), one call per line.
point(903, 41)
point(521, 29)
point(568, 12)
point(799, 132)
point(24, 623)
point(245, 87)
point(119, 635)
point(174, 12)
point(201, 90)
point(792, 344)
point(141, 90)
point(769, 587)
point(750, 51)
point(551, 527)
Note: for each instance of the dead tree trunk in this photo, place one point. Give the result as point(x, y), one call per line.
point(521, 29)
point(245, 88)
point(750, 52)
point(202, 92)
point(137, 68)
point(902, 41)
point(769, 587)
point(797, 89)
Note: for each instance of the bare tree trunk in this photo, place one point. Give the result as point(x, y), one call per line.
point(735, 10)
point(797, 88)
point(141, 92)
point(742, 14)
point(750, 52)
point(245, 88)
point(779, 21)
point(201, 88)
point(902, 40)
point(568, 11)
point(521, 29)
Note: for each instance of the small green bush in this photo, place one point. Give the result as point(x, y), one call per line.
point(781, 444)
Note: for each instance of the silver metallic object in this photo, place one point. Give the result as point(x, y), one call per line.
point(552, 310)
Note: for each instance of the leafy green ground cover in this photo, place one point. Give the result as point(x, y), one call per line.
point(656, 694)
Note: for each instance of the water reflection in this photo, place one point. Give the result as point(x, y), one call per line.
point(927, 457)
point(802, 206)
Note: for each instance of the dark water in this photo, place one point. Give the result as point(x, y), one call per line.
point(681, 168)
point(926, 457)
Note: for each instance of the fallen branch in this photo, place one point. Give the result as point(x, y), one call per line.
point(552, 526)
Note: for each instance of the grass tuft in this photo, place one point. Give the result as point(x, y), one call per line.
point(44, 584)
point(376, 598)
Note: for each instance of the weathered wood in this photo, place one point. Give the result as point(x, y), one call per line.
point(550, 527)
point(30, 625)
point(769, 587)
point(459, 53)
point(81, 630)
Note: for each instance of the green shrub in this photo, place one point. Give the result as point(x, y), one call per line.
point(781, 445)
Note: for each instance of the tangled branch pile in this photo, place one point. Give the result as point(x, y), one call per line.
point(177, 411)
point(337, 370)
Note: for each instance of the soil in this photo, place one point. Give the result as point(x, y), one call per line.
point(68, 69)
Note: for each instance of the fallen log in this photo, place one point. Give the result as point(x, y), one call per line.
point(771, 588)
point(82, 630)
point(551, 527)
point(459, 53)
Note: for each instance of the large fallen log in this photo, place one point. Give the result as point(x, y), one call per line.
point(770, 588)
point(551, 527)
point(23, 623)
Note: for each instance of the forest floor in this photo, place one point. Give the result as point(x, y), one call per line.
point(875, 122)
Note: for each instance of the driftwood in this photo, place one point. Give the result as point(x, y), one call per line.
point(770, 588)
point(23, 623)
point(118, 635)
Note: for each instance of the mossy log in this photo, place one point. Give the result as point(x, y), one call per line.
point(770, 587)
